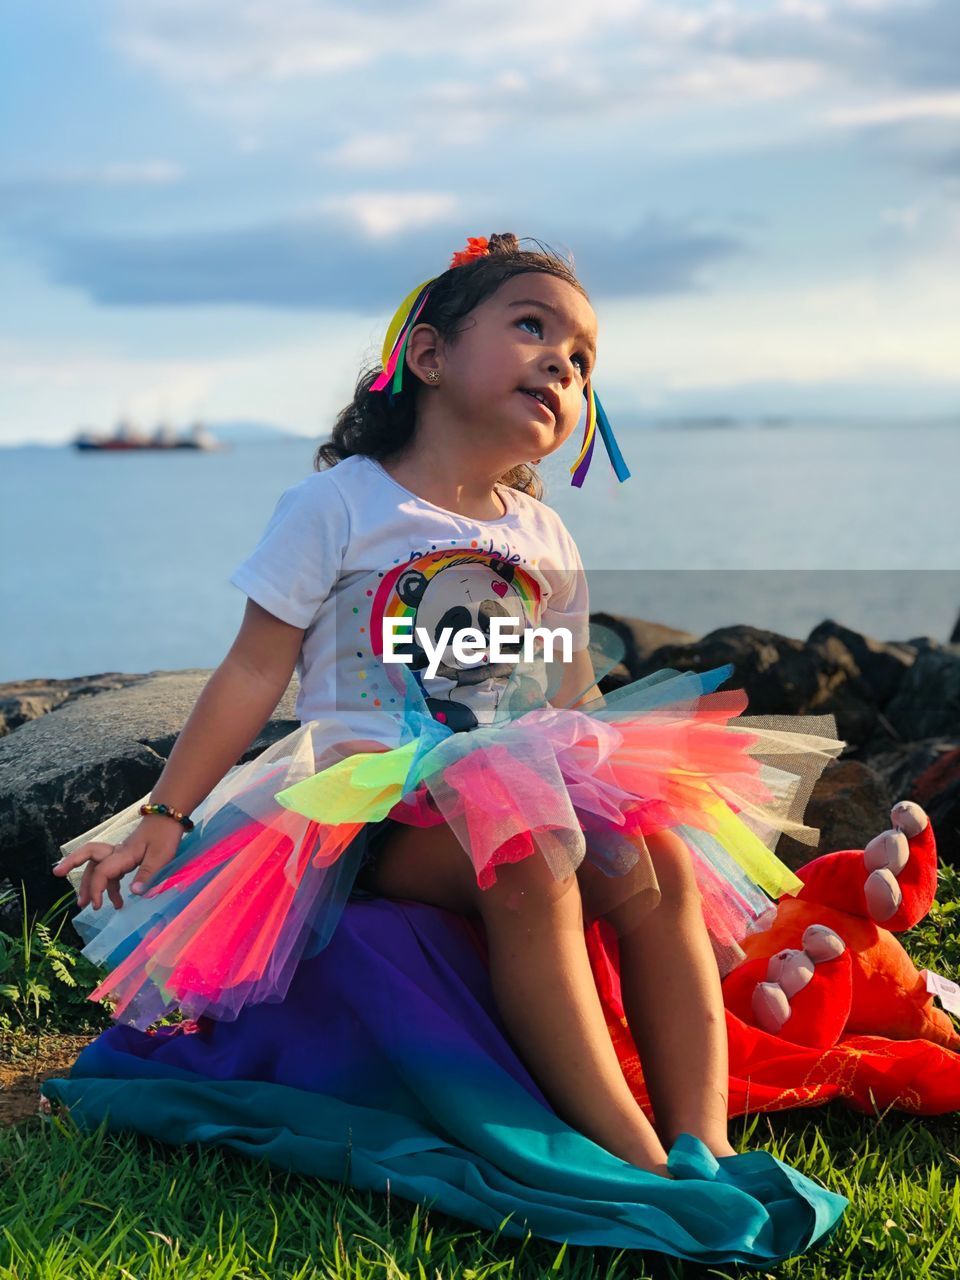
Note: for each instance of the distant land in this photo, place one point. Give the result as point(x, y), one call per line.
point(725, 422)
point(252, 431)
point(239, 432)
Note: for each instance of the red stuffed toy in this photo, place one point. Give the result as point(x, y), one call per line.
point(830, 963)
point(828, 1004)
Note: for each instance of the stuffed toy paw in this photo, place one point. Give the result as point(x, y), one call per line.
point(830, 965)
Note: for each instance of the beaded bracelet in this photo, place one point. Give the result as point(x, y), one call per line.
point(167, 812)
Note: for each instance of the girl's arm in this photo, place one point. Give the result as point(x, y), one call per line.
point(234, 705)
point(578, 673)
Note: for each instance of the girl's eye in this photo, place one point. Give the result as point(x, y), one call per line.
point(581, 359)
point(531, 320)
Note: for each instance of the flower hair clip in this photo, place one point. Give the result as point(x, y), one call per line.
point(477, 247)
point(393, 358)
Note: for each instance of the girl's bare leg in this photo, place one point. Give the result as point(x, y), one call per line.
point(673, 1003)
point(541, 977)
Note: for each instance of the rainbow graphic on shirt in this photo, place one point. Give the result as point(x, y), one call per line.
point(403, 589)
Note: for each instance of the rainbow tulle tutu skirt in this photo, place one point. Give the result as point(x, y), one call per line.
point(263, 878)
point(358, 1039)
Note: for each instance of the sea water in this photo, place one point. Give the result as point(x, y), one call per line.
point(120, 562)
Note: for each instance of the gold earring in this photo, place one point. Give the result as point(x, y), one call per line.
point(433, 375)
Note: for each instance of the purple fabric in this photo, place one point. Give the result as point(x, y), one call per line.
point(387, 1064)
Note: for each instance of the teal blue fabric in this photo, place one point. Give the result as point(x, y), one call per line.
point(387, 1063)
point(571, 1190)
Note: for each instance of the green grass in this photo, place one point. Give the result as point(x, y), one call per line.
point(80, 1205)
point(75, 1205)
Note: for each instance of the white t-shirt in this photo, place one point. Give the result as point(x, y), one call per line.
point(349, 547)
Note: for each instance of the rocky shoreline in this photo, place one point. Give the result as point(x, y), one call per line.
point(73, 751)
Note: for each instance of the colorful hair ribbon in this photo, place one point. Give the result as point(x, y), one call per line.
point(597, 417)
point(395, 343)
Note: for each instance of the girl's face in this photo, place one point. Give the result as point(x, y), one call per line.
point(535, 333)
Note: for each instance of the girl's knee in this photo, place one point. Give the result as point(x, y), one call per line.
point(621, 899)
point(673, 863)
point(526, 887)
point(676, 897)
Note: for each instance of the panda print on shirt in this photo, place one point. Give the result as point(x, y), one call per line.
point(461, 588)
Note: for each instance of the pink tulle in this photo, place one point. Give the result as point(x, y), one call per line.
point(556, 777)
point(242, 931)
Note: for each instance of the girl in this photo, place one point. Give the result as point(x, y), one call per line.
point(511, 793)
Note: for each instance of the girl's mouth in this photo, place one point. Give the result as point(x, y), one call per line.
point(539, 403)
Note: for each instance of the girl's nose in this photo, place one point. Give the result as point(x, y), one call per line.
point(562, 367)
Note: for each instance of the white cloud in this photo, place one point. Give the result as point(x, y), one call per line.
point(143, 173)
point(49, 394)
point(862, 328)
point(386, 213)
point(897, 110)
point(635, 86)
point(222, 41)
point(593, 51)
point(733, 80)
point(216, 42)
point(906, 217)
point(674, 79)
point(80, 368)
point(653, 81)
point(371, 151)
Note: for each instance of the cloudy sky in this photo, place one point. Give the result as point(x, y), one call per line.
point(213, 206)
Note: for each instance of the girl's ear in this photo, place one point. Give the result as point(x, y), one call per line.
point(424, 351)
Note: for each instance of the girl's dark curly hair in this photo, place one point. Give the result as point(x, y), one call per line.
point(373, 426)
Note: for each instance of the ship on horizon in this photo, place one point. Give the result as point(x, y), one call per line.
point(127, 436)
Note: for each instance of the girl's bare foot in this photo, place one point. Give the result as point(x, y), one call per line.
point(720, 1149)
point(646, 1160)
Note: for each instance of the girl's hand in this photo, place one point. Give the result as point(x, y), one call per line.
point(150, 846)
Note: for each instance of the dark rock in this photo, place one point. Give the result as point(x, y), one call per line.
point(847, 696)
point(881, 664)
point(23, 700)
point(929, 773)
point(641, 638)
point(903, 765)
point(927, 702)
point(938, 790)
point(926, 644)
point(955, 633)
point(66, 771)
point(616, 678)
point(850, 804)
point(781, 675)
